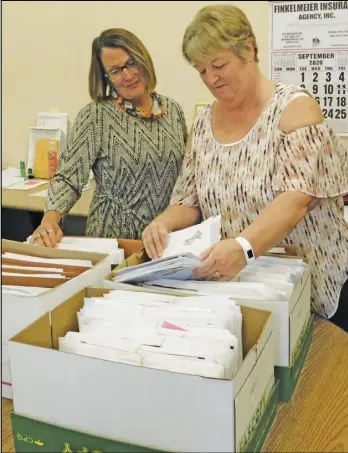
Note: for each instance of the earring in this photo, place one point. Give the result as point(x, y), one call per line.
point(114, 93)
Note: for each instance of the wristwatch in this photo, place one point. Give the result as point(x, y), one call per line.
point(247, 249)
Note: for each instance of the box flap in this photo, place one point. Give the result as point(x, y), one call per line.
point(36, 334)
point(32, 281)
point(253, 326)
point(96, 292)
point(130, 246)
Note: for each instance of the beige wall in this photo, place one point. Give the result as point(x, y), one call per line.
point(46, 53)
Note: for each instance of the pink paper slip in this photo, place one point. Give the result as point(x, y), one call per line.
point(29, 184)
point(169, 325)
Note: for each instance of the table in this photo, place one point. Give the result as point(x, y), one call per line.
point(23, 199)
point(22, 213)
point(316, 419)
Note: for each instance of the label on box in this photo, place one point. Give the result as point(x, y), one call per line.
point(34, 436)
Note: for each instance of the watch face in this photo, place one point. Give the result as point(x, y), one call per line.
point(250, 254)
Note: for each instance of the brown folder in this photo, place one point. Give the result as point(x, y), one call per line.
point(77, 270)
point(32, 281)
point(28, 271)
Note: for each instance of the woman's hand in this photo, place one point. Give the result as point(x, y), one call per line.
point(155, 238)
point(221, 262)
point(48, 234)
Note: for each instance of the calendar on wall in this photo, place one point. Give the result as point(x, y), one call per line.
point(309, 48)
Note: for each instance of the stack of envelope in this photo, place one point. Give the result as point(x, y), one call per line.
point(268, 278)
point(192, 335)
point(180, 257)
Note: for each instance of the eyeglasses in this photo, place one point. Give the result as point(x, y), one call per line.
point(117, 72)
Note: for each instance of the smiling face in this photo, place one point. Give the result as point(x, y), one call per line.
point(129, 82)
point(227, 76)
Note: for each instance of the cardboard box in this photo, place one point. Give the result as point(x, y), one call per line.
point(19, 311)
point(291, 320)
point(35, 436)
point(171, 411)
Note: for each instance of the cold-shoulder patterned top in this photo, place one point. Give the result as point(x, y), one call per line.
point(239, 180)
point(135, 163)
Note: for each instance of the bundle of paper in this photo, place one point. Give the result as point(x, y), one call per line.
point(99, 245)
point(270, 269)
point(92, 244)
point(239, 290)
point(10, 177)
point(281, 285)
point(179, 267)
point(199, 336)
point(269, 278)
point(180, 257)
point(34, 271)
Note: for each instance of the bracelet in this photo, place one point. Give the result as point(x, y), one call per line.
point(247, 249)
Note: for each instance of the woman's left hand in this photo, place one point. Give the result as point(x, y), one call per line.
point(221, 262)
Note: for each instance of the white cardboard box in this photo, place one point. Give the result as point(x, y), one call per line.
point(289, 318)
point(141, 406)
point(19, 311)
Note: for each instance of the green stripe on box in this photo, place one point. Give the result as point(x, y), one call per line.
point(32, 436)
point(35, 436)
point(288, 376)
point(266, 421)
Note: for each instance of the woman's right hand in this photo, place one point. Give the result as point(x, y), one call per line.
point(49, 233)
point(155, 238)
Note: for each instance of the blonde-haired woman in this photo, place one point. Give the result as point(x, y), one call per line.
point(262, 157)
point(130, 136)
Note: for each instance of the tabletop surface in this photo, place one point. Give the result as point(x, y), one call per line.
point(316, 419)
point(24, 199)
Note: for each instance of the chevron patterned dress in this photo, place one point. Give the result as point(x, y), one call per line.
point(135, 164)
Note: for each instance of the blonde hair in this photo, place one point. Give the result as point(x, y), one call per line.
point(117, 38)
point(218, 27)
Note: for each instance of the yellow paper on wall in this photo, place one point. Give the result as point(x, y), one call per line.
point(43, 148)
